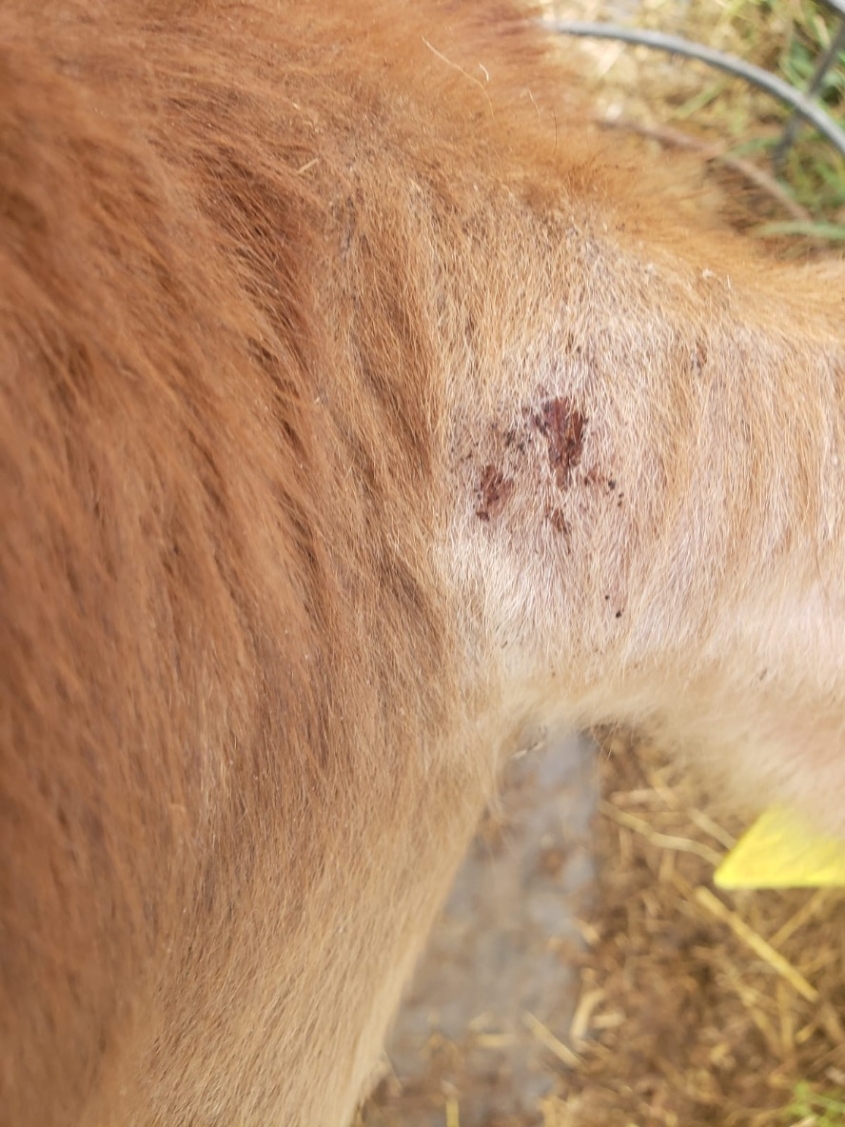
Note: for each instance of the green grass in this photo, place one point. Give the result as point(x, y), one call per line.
point(813, 169)
point(815, 1109)
point(786, 37)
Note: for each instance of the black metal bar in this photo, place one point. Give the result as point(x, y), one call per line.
point(822, 67)
point(675, 45)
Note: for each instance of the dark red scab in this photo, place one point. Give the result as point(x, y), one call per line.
point(558, 522)
point(563, 426)
point(494, 489)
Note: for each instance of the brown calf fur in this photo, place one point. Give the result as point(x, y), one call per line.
point(358, 410)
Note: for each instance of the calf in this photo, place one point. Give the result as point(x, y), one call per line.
point(357, 411)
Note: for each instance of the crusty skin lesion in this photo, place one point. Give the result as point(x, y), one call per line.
point(672, 452)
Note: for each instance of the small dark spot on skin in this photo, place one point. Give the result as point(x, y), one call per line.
point(611, 484)
point(607, 598)
point(558, 521)
point(494, 489)
point(619, 614)
point(699, 359)
point(563, 426)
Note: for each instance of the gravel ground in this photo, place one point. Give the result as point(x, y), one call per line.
point(472, 1041)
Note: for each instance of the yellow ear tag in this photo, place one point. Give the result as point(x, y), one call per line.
point(781, 851)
